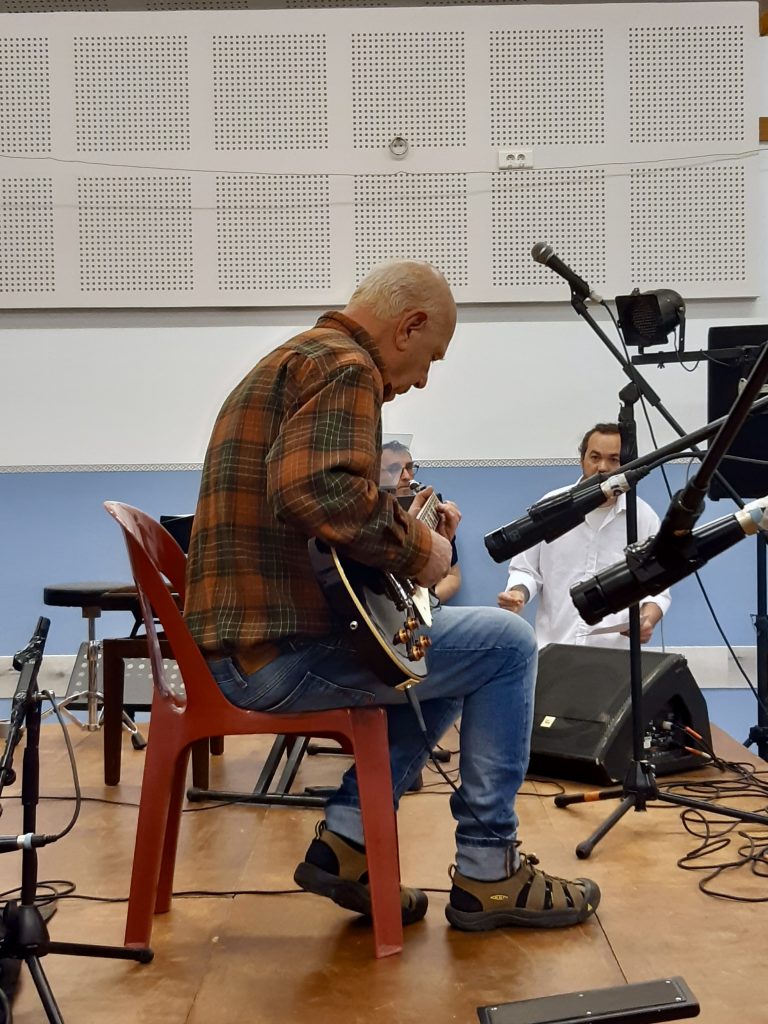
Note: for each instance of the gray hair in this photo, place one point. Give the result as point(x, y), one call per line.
point(392, 288)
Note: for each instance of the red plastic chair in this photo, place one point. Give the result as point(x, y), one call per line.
point(176, 723)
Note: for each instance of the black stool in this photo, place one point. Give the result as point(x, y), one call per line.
point(92, 598)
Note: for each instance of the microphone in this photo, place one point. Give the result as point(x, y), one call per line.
point(552, 517)
point(652, 566)
point(545, 254)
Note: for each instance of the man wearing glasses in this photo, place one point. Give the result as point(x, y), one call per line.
point(398, 471)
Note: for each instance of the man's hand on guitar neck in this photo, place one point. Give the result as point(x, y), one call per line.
point(449, 516)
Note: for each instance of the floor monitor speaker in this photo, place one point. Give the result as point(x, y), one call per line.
point(582, 724)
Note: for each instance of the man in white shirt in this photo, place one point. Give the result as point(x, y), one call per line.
point(550, 570)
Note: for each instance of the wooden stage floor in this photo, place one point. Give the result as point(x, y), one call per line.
point(297, 957)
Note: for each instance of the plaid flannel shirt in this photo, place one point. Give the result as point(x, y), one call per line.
point(294, 454)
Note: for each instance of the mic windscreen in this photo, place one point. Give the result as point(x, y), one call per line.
point(541, 252)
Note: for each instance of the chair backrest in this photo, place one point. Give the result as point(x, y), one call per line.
point(157, 561)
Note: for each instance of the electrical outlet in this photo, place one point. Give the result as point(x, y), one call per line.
point(515, 158)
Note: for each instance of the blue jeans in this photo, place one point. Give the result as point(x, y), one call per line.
point(482, 666)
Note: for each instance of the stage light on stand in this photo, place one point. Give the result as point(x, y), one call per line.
point(648, 318)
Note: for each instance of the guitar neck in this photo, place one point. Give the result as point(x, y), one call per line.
point(428, 513)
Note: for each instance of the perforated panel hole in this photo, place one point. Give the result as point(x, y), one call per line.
point(273, 232)
point(686, 84)
point(135, 234)
point(688, 224)
point(564, 208)
point(413, 217)
point(131, 93)
point(196, 5)
point(52, 6)
point(547, 87)
point(410, 84)
point(26, 235)
point(25, 96)
point(338, 3)
point(270, 92)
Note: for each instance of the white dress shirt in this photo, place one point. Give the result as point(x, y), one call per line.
point(550, 570)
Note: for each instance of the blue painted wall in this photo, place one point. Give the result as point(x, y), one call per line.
point(55, 530)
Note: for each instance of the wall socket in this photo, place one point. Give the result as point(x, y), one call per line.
point(515, 158)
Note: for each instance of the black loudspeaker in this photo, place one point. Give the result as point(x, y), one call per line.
point(582, 721)
point(740, 347)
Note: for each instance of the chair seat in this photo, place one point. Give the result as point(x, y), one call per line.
point(86, 595)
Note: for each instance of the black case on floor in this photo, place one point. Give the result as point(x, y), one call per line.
point(641, 1003)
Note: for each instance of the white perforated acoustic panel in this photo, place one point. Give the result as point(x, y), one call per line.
point(408, 84)
point(567, 208)
point(273, 232)
point(686, 84)
point(131, 93)
point(431, 220)
point(270, 91)
point(135, 234)
point(690, 222)
point(547, 86)
point(26, 235)
point(25, 88)
point(191, 155)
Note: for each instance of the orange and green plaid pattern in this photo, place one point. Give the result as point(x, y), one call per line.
point(294, 454)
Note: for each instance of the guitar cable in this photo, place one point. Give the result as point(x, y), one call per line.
point(413, 700)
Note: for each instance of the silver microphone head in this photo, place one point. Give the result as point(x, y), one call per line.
point(542, 252)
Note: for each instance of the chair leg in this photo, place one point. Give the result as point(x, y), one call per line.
point(200, 765)
point(374, 782)
point(113, 683)
point(157, 791)
point(168, 862)
point(217, 745)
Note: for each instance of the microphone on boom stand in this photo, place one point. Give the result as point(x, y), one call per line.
point(545, 255)
point(662, 560)
point(553, 516)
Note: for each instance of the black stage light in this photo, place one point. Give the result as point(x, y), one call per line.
point(648, 318)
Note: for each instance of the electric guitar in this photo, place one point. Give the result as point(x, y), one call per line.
point(386, 615)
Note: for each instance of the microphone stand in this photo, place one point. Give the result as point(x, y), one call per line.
point(639, 785)
point(24, 934)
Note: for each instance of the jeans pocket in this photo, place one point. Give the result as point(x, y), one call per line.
point(316, 693)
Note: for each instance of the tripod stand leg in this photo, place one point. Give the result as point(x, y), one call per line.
point(52, 1011)
point(583, 850)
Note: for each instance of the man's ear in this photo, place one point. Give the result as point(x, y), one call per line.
point(411, 321)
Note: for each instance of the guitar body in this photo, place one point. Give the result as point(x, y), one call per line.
point(378, 611)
